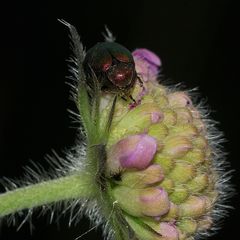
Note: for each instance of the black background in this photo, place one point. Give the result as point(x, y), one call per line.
point(196, 40)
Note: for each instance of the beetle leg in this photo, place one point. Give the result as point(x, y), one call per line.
point(124, 98)
point(110, 117)
point(140, 81)
point(130, 96)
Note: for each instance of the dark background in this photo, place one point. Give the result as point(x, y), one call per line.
point(196, 40)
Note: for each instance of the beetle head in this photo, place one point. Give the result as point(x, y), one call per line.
point(121, 74)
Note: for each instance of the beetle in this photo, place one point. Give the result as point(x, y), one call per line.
point(114, 67)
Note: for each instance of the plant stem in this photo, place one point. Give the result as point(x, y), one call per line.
point(79, 185)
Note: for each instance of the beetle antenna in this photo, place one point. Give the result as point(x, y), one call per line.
point(111, 113)
point(108, 35)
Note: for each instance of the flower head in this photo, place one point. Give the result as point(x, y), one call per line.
point(167, 183)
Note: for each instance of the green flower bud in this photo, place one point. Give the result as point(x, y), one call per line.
point(170, 117)
point(176, 146)
point(159, 131)
point(199, 183)
point(193, 207)
point(172, 214)
point(135, 121)
point(179, 194)
point(177, 173)
point(151, 201)
point(184, 115)
point(144, 178)
point(188, 226)
point(179, 99)
point(165, 161)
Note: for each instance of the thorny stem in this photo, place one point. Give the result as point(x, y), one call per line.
point(70, 187)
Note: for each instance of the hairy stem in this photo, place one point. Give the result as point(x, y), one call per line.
point(70, 187)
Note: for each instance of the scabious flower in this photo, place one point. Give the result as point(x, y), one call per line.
point(163, 160)
point(154, 172)
point(147, 64)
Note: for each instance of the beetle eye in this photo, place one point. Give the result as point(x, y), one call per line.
point(106, 66)
point(121, 74)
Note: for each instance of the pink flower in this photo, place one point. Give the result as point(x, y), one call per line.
point(134, 152)
point(147, 64)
